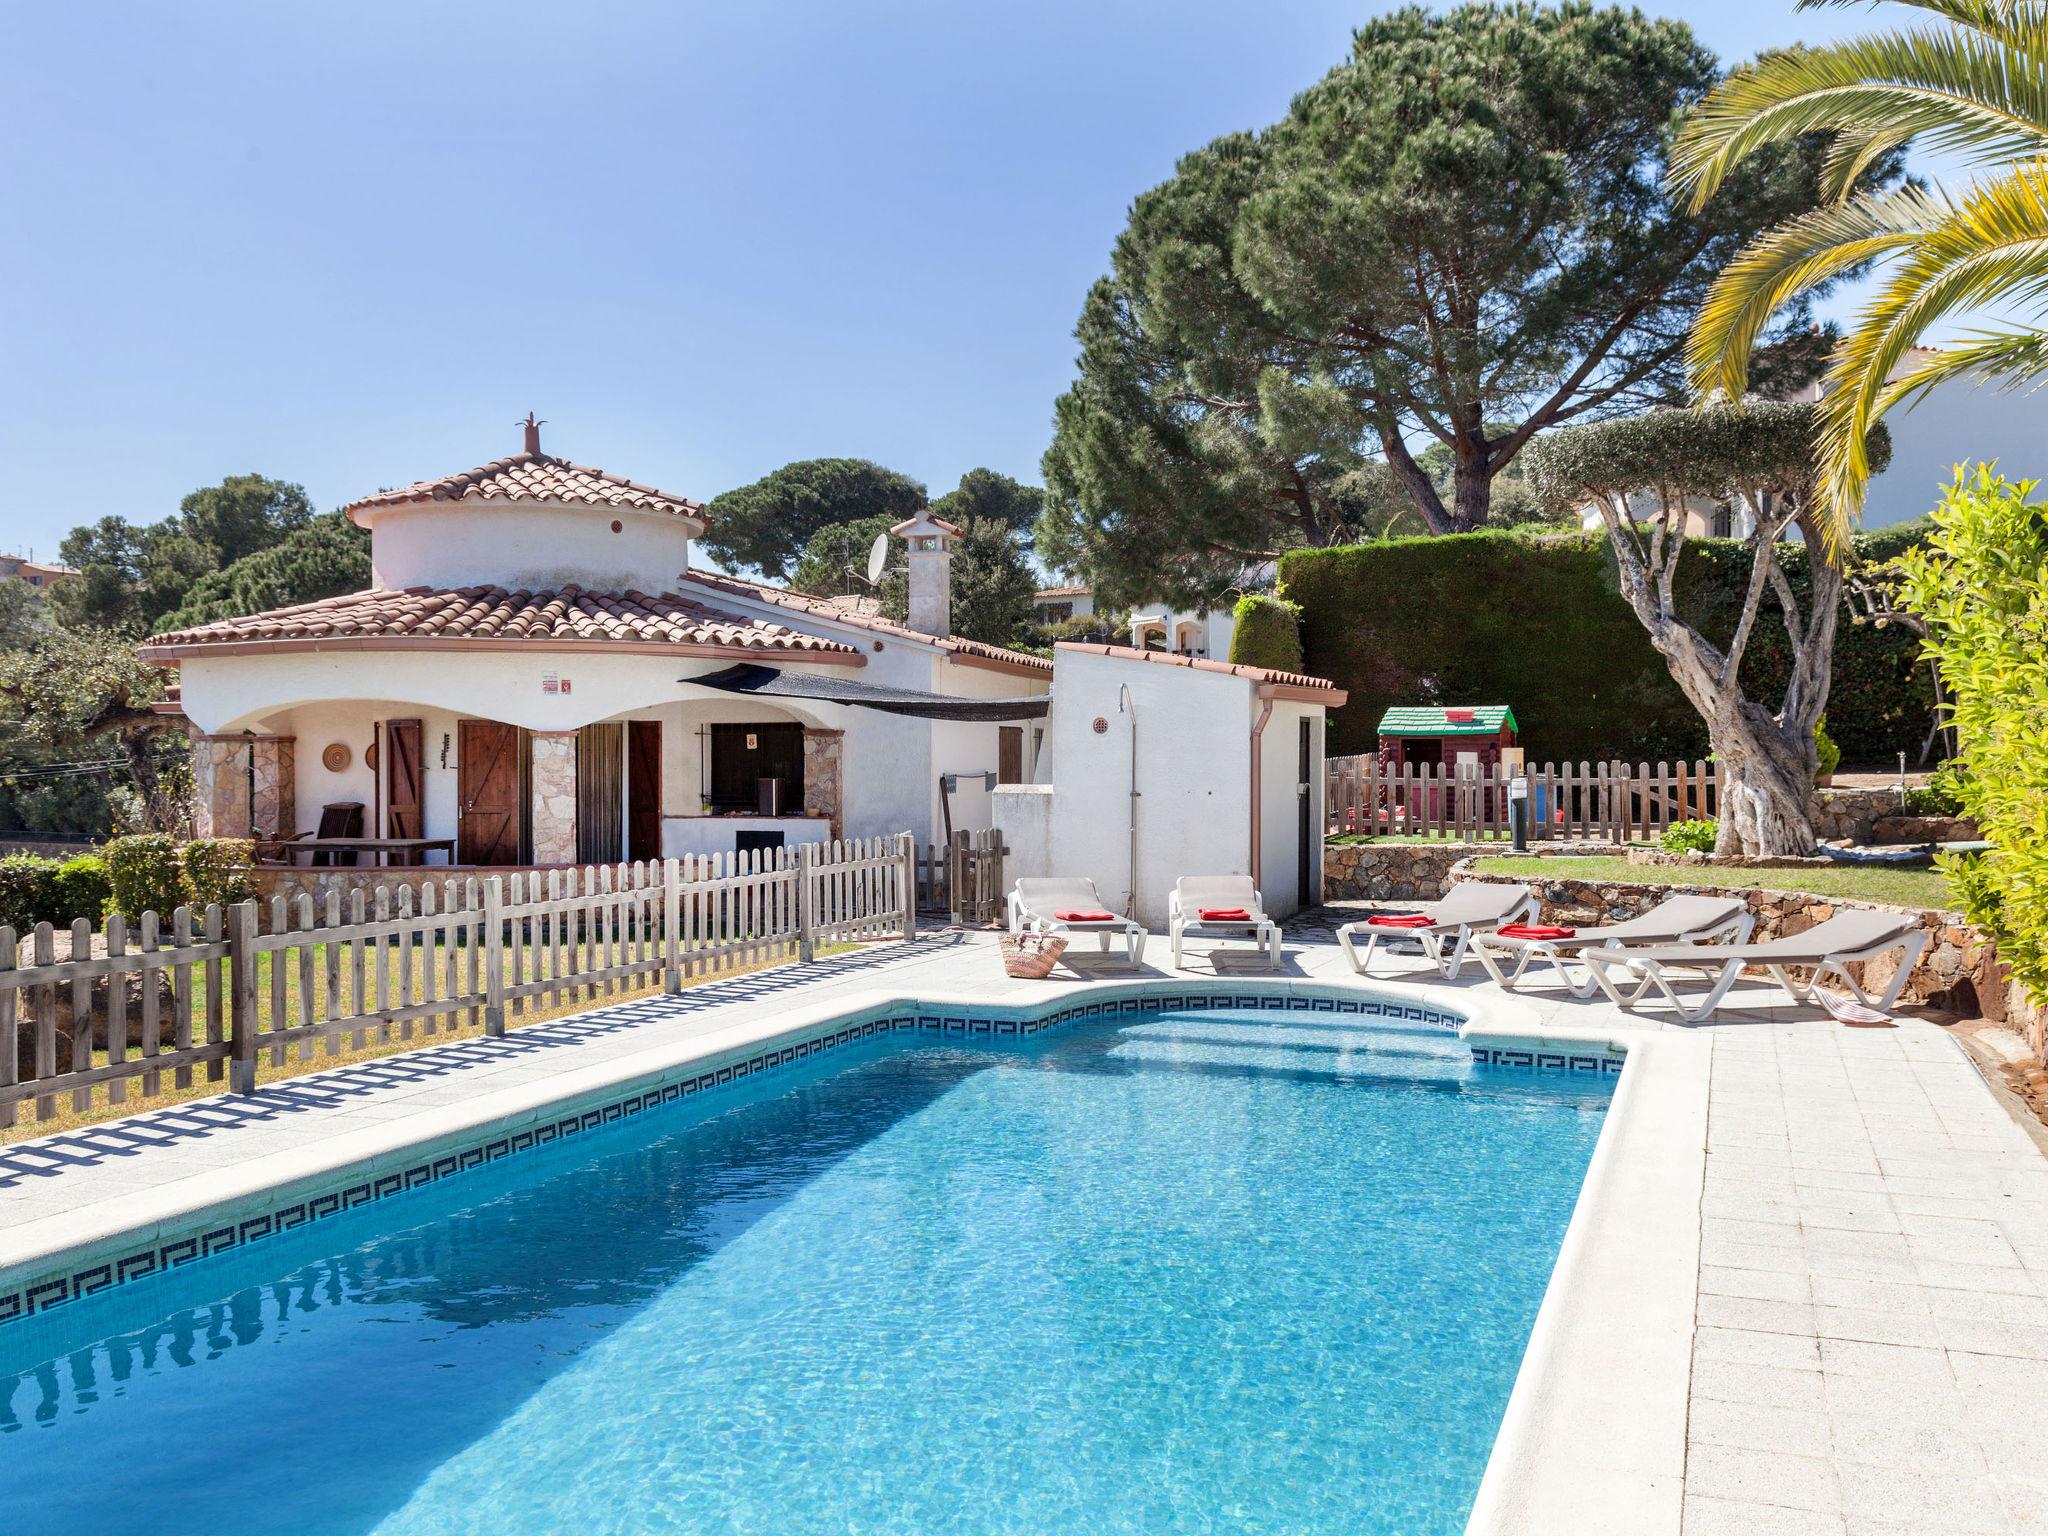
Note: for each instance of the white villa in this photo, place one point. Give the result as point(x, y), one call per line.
point(538, 676)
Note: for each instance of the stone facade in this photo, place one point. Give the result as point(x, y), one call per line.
point(220, 786)
point(824, 776)
point(554, 797)
point(273, 785)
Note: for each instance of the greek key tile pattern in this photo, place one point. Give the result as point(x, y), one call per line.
point(164, 1254)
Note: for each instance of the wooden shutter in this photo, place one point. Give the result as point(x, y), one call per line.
point(600, 788)
point(643, 789)
point(1009, 754)
point(404, 789)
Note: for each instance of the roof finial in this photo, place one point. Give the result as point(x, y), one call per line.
point(533, 427)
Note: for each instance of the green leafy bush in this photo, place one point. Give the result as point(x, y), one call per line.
point(1267, 633)
point(79, 888)
point(146, 871)
point(1690, 836)
point(1981, 586)
point(217, 869)
point(1536, 621)
point(1973, 883)
point(1830, 754)
point(1942, 794)
point(26, 883)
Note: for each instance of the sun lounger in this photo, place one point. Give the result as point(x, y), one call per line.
point(1209, 904)
point(1037, 902)
point(1473, 906)
point(1829, 947)
point(1675, 920)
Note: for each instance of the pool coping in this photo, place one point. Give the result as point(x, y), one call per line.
point(1593, 1440)
point(1583, 1450)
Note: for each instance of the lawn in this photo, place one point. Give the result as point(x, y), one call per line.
point(277, 1064)
point(1895, 887)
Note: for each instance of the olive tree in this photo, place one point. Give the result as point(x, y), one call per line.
point(1645, 474)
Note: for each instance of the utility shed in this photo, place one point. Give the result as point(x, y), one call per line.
point(1156, 766)
point(1442, 734)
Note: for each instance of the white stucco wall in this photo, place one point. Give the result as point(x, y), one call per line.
point(526, 546)
point(1280, 797)
point(1194, 773)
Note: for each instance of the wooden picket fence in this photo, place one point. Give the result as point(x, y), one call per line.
point(964, 878)
point(213, 990)
point(1611, 802)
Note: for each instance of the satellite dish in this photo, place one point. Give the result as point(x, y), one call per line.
point(878, 556)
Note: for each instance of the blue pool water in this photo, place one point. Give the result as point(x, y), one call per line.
point(1206, 1272)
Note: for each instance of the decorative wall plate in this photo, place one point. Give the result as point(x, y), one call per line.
point(334, 757)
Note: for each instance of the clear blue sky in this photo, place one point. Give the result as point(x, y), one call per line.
point(348, 242)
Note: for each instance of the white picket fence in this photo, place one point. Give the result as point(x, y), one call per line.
point(214, 990)
point(1611, 802)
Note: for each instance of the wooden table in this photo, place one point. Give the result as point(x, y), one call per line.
point(402, 852)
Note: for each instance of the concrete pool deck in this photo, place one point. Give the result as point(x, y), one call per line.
point(1805, 1290)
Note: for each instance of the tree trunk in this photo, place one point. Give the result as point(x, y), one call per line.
point(1766, 786)
point(1471, 492)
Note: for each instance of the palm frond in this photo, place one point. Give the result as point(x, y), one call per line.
point(1966, 13)
point(1960, 91)
point(1796, 255)
point(1992, 248)
point(1850, 154)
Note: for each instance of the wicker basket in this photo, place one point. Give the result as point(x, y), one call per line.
point(1032, 955)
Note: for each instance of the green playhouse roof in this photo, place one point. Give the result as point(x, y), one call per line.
point(1451, 720)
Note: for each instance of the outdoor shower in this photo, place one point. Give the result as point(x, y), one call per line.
point(1126, 705)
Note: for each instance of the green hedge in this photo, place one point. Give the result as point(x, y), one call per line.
point(1538, 623)
point(34, 889)
point(1266, 632)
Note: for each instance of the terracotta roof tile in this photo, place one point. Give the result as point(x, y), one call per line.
point(494, 617)
point(1203, 664)
point(827, 608)
point(534, 477)
point(1063, 592)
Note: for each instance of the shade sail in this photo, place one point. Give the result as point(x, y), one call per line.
point(774, 683)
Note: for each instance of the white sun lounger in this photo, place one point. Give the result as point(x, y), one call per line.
point(1472, 906)
point(1035, 900)
point(1191, 893)
point(1677, 919)
point(1829, 947)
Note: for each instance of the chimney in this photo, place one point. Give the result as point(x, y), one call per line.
point(929, 542)
point(533, 427)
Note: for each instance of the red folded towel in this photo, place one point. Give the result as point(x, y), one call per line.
point(1078, 916)
point(1536, 931)
point(1225, 915)
point(1401, 920)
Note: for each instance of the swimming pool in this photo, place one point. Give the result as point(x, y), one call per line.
point(1187, 1271)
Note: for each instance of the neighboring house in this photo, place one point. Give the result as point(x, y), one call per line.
point(538, 674)
point(1963, 421)
point(36, 573)
point(1056, 605)
point(1201, 632)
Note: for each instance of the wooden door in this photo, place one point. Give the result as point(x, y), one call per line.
point(1010, 754)
point(487, 793)
point(404, 780)
point(643, 789)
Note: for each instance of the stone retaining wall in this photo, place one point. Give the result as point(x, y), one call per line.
point(303, 881)
point(1417, 871)
point(1851, 813)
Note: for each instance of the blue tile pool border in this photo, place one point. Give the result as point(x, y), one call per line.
point(209, 1237)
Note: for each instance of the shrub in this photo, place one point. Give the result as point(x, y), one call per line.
point(1690, 836)
point(1536, 621)
point(1267, 633)
point(217, 869)
point(1942, 794)
point(1981, 587)
point(1973, 882)
point(79, 888)
point(26, 884)
point(1830, 754)
point(146, 873)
